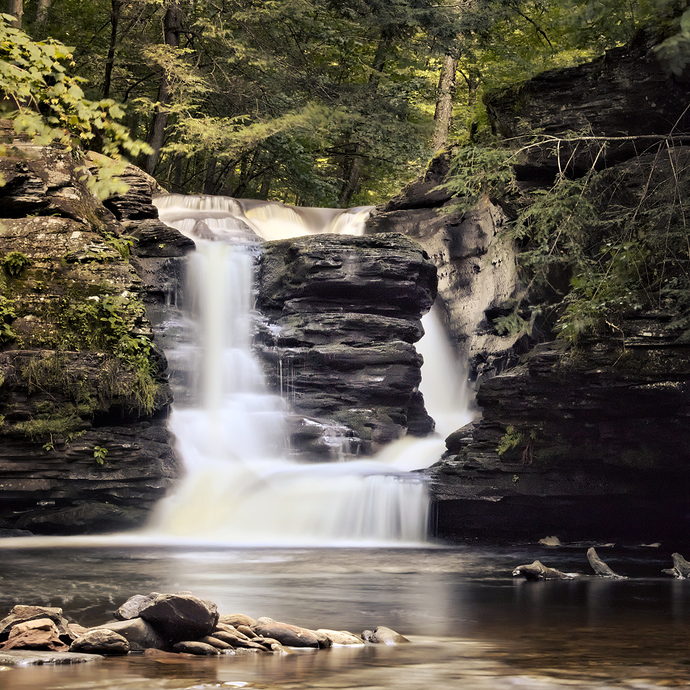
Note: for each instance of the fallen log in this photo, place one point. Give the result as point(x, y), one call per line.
point(538, 571)
point(599, 567)
point(681, 567)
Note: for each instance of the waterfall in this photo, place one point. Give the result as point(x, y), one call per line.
point(239, 485)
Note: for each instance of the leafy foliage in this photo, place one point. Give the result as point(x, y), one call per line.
point(48, 105)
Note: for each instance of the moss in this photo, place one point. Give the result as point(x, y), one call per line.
point(54, 429)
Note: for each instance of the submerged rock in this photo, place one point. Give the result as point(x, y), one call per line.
point(40, 658)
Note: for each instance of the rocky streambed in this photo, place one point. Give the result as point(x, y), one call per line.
point(162, 625)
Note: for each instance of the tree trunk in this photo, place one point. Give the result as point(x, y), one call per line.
point(172, 28)
point(209, 180)
point(443, 116)
point(353, 170)
point(42, 14)
point(116, 6)
point(17, 11)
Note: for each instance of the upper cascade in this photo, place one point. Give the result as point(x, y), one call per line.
point(229, 219)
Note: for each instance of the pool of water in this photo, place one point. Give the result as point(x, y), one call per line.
point(471, 623)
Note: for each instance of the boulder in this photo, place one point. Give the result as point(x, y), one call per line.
point(384, 635)
point(23, 614)
point(101, 641)
point(180, 617)
point(40, 633)
point(139, 633)
point(341, 638)
point(215, 642)
point(196, 648)
point(238, 641)
point(286, 634)
point(133, 605)
point(236, 619)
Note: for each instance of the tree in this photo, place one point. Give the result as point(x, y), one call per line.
point(443, 114)
point(16, 9)
point(172, 27)
point(47, 104)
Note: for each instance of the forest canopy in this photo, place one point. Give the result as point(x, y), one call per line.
point(312, 102)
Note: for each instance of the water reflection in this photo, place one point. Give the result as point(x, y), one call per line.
point(471, 623)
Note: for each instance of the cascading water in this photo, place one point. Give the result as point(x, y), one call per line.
point(240, 488)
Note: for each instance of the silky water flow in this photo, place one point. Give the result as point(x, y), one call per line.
point(240, 486)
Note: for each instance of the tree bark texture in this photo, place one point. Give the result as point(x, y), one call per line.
point(42, 12)
point(172, 28)
point(443, 115)
point(17, 11)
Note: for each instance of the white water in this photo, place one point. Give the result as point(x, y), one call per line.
point(240, 487)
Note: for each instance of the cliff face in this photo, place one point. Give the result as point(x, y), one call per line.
point(343, 314)
point(593, 441)
point(476, 268)
point(83, 395)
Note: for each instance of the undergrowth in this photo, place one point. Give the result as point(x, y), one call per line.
point(595, 245)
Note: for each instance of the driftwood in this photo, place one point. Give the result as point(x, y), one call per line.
point(599, 567)
point(681, 568)
point(538, 571)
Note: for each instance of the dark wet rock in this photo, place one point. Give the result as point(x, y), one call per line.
point(136, 203)
point(179, 617)
point(15, 533)
point(139, 633)
point(594, 443)
point(626, 92)
point(50, 482)
point(196, 648)
point(35, 658)
point(40, 633)
point(101, 641)
point(133, 605)
point(286, 634)
point(342, 314)
point(384, 635)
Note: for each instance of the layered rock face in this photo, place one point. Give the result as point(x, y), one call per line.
point(477, 275)
point(342, 315)
point(591, 442)
point(83, 396)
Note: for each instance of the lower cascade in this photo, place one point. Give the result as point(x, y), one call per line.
point(241, 486)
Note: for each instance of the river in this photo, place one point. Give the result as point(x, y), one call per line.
point(471, 624)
